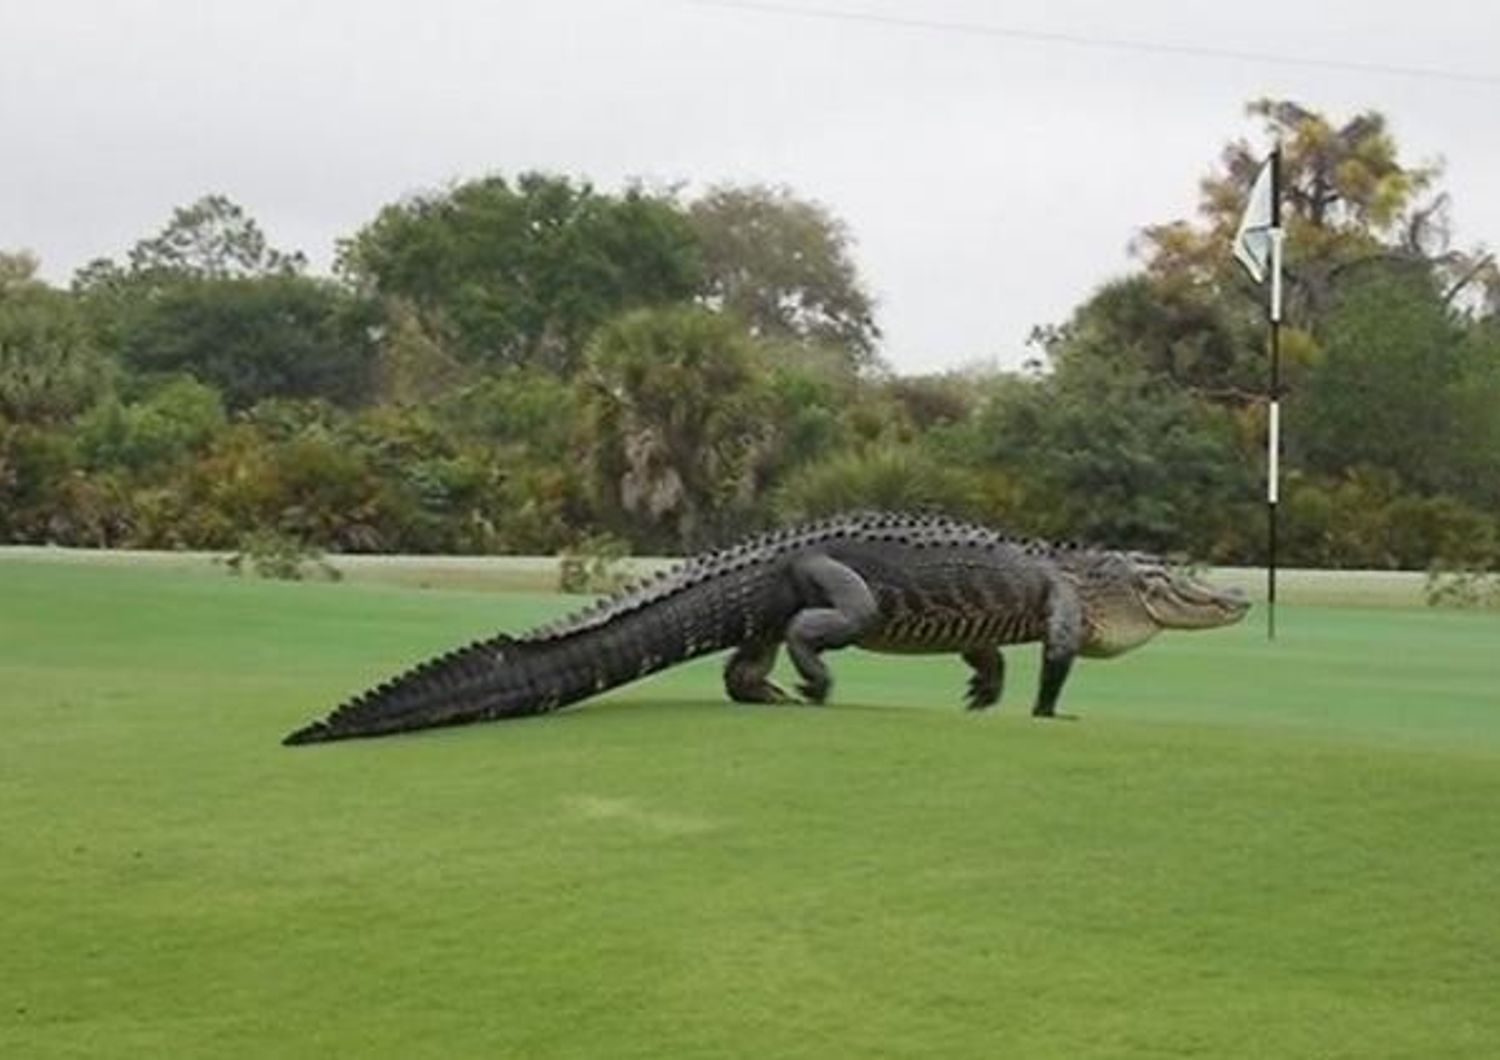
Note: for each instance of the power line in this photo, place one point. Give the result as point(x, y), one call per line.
point(1079, 40)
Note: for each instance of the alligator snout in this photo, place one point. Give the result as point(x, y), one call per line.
point(1236, 601)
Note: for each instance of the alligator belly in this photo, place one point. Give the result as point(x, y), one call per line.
point(888, 646)
point(947, 633)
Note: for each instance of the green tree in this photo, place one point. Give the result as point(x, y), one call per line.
point(37, 467)
point(416, 362)
point(160, 431)
point(527, 407)
point(208, 295)
point(1349, 201)
point(783, 265)
point(892, 477)
point(675, 402)
point(49, 366)
point(1107, 453)
point(255, 337)
point(213, 238)
point(522, 274)
point(1365, 518)
point(1475, 423)
point(1382, 363)
point(932, 401)
point(1171, 331)
point(1406, 384)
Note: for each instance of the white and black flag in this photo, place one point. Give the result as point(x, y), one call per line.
point(1253, 241)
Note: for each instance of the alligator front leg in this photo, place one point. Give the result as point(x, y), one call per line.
point(747, 674)
point(1064, 638)
point(841, 610)
point(989, 677)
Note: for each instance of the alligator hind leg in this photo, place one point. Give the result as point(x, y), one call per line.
point(747, 674)
point(848, 610)
point(988, 679)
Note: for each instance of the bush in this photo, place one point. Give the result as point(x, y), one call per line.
point(168, 427)
point(1365, 519)
point(268, 554)
point(886, 477)
point(1456, 587)
point(594, 566)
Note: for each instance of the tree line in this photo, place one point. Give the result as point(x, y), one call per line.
point(534, 364)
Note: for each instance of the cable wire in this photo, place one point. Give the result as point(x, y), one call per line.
point(1080, 40)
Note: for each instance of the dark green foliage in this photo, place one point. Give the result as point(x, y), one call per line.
point(676, 407)
point(781, 264)
point(255, 337)
point(1110, 454)
point(208, 296)
point(213, 238)
point(886, 477)
point(50, 368)
point(1382, 394)
point(1364, 519)
point(36, 472)
point(1472, 458)
point(522, 273)
point(1167, 330)
point(518, 406)
point(931, 402)
point(157, 433)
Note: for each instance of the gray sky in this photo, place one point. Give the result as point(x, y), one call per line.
point(991, 182)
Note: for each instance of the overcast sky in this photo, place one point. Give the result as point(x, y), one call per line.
point(991, 181)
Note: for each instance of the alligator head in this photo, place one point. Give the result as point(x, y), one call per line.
point(1129, 597)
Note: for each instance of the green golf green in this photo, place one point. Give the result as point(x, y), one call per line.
point(1241, 849)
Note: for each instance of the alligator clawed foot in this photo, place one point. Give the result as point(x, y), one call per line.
point(761, 692)
point(774, 693)
point(815, 692)
point(981, 696)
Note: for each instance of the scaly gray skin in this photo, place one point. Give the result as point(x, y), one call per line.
point(882, 581)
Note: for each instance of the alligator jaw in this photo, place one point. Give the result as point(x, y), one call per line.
point(1187, 603)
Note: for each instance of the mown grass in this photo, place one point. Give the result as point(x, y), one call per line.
point(1241, 850)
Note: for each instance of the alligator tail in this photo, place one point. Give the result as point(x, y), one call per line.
point(609, 645)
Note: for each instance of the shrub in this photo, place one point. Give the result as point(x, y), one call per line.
point(890, 477)
point(593, 566)
point(268, 554)
point(1456, 587)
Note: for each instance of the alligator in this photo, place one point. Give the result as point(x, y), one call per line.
point(887, 582)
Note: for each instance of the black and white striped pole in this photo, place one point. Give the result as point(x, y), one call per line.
point(1258, 245)
point(1273, 424)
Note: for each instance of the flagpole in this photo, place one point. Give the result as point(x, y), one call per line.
point(1273, 428)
